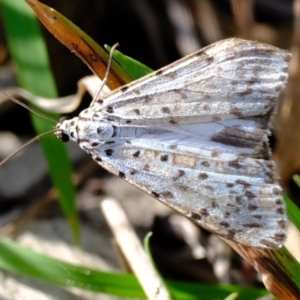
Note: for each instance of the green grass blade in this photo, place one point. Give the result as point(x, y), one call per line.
point(292, 209)
point(134, 68)
point(29, 52)
point(24, 261)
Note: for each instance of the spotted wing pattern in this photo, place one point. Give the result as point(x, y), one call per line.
point(194, 136)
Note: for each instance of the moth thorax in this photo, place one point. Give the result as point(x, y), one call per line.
point(95, 130)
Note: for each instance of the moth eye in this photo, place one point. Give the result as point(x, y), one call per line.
point(63, 137)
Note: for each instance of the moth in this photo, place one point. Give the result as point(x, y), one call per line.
point(194, 135)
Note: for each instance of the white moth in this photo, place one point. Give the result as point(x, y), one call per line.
point(194, 136)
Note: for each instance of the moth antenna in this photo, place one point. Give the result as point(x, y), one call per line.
point(36, 138)
point(30, 109)
point(107, 71)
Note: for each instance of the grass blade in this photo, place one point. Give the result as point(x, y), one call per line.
point(29, 52)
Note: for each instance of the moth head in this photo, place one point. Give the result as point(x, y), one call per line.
point(81, 129)
point(66, 129)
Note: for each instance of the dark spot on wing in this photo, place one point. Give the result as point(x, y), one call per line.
point(137, 111)
point(282, 77)
point(110, 110)
point(147, 98)
point(173, 146)
point(236, 112)
point(234, 164)
point(159, 72)
point(83, 141)
point(225, 224)
point(205, 107)
point(202, 176)
point(230, 235)
point(216, 118)
point(133, 172)
point(195, 216)
point(156, 195)
point(281, 223)
point(81, 118)
point(205, 164)
point(269, 177)
point(210, 59)
point(249, 194)
point(246, 92)
point(280, 211)
point(252, 225)
point(171, 75)
point(214, 204)
point(183, 188)
point(215, 153)
point(109, 152)
point(252, 207)
point(279, 237)
point(146, 167)
point(97, 158)
point(229, 185)
point(124, 88)
point(227, 214)
point(252, 81)
point(180, 174)
point(237, 210)
point(233, 136)
point(204, 212)
point(128, 121)
point(172, 121)
point(165, 110)
point(72, 123)
point(257, 68)
point(115, 130)
point(122, 175)
point(242, 182)
point(136, 154)
point(209, 187)
point(95, 144)
point(164, 158)
point(181, 93)
point(238, 200)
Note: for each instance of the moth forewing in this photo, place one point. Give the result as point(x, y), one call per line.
point(194, 136)
point(204, 87)
point(236, 198)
